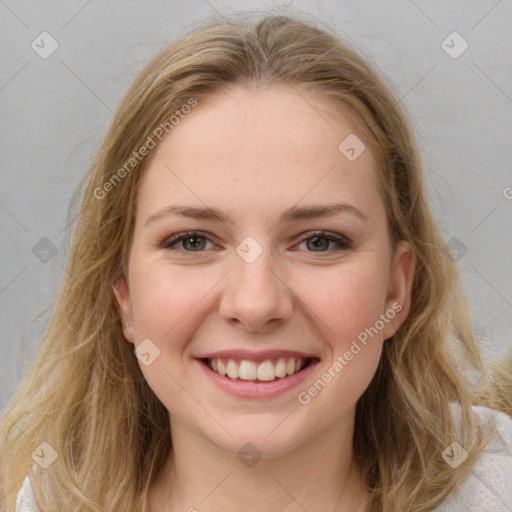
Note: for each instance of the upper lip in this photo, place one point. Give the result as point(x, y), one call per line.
point(258, 356)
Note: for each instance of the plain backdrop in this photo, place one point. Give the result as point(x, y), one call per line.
point(64, 66)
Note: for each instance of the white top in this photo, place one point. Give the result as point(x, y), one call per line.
point(488, 488)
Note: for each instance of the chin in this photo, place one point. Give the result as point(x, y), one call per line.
point(268, 436)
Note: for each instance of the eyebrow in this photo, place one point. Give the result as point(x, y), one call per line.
point(292, 214)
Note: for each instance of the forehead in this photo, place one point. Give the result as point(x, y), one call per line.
point(259, 149)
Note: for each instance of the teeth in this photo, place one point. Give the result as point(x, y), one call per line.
point(266, 371)
point(248, 370)
point(281, 368)
point(221, 368)
point(232, 369)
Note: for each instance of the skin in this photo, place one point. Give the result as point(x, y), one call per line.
point(259, 153)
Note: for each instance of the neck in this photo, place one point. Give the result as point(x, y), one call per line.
point(319, 475)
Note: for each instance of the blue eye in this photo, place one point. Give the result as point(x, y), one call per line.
point(318, 241)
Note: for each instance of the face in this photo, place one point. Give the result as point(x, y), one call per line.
point(291, 296)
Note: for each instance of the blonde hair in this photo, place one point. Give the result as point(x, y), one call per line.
point(85, 394)
point(498, 390)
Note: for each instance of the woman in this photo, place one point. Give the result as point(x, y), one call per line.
point(258, 311)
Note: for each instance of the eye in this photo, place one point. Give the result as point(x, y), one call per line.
point(316, 241)
point(193, 239)
point(319, 241)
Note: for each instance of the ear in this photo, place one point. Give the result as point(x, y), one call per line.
point(124, 308)
point(398, 300)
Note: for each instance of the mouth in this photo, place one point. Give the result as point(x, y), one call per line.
point(266, 371)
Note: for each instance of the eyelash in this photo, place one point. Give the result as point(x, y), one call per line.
point(343, 243)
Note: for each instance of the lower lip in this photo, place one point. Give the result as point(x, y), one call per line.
point(248, 389)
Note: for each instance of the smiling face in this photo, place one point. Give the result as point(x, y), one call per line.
point(262, 287)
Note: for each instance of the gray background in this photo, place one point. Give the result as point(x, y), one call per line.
point(54, 112)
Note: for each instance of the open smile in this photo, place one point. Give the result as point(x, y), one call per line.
point(264, 371)
point(257, 377)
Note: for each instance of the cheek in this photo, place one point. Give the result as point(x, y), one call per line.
point(169, 304)
point(166, 298)
point(347, 304)
point(346, 300)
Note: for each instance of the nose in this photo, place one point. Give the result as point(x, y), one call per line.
point(255, 295)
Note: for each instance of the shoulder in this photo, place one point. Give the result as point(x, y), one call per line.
point(488, 488)
point(25, 501)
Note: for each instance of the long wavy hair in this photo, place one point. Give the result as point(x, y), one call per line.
point(84, 393)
